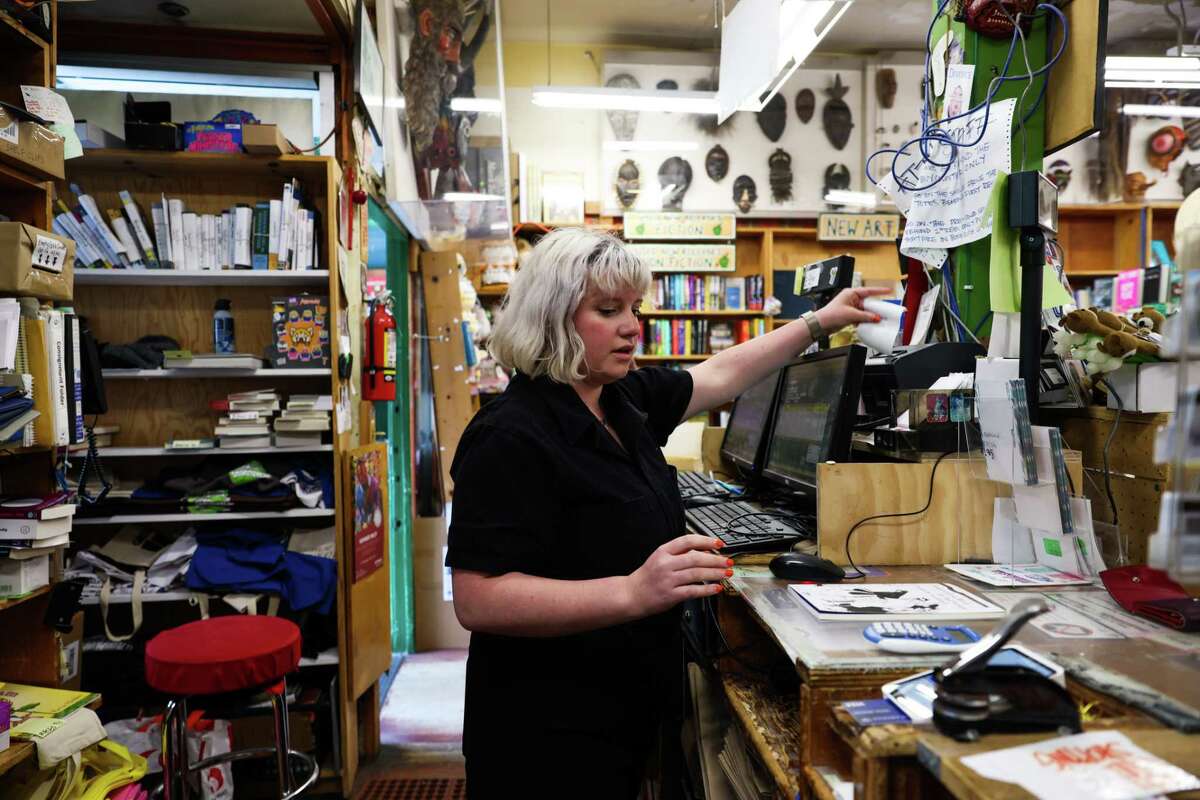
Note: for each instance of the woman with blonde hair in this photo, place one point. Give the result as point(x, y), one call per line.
point(567, 540)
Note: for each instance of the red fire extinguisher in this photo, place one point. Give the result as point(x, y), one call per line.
point(379, 373)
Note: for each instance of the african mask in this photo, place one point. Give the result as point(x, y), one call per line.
point(835, 116)
point(1189, 179)
point(628, 183)
point(885, 87)
point(667, 85)
point(994, 18)
point(716, 163)
point(707, 123)
point(674, 178)
point(431, 75)
point(837, 177)
point(1136, 186)
point(624, 123)
point(772, 119)
point(779, 166)
point(806, 103)
point(1095, 176)
point(1164, 146)
point(745, 193)
point(1060, 173)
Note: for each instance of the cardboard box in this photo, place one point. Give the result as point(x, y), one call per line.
point(22, 576)
point(265, 139)
point(35, 263)
point(212, 137)
point(30, 147)
point(1148, 388)
point(437, 627)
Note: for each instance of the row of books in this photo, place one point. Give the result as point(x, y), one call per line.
point(664, 337)
point(249, 418)
point(271, 234)
point(41, 392)
point(1130, 290)
point(688, 292)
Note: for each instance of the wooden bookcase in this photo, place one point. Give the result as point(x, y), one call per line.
point(1098, 241)
point(154, 406)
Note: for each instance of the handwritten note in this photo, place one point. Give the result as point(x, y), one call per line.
point(1102, 765)
point(952, 211)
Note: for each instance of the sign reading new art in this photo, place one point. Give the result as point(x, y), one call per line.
point(858, 227)
point(652, 225)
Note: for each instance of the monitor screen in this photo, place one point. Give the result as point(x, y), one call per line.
point(814, 415)
point(749, 420)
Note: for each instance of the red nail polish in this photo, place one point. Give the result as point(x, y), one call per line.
point(719, 544)
point(729, 562)
point(728, 573)
point(716, 588)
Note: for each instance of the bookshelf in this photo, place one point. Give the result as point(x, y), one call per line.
point(1107, 238)
point(152, 407)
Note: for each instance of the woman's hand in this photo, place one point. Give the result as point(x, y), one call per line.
point(847, 308)
point(675, 571)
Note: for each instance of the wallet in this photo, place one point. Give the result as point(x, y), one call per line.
point(1150, 593)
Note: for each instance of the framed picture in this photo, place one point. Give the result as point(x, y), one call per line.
point(368, 71)
point(368, 482)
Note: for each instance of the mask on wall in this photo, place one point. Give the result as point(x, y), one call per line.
point(431, 75)
point(716, 163)
point(1189, 179)
point(628, 183)
point(994, 18)
point(624, 123)
point(667, 85)
point(837, 177)
point(806, 103)
point(745, 193)
point(674, 178)
point(1060, 173)
point(773, 118)
point(707, 123)
point(1095, 176)
point(835, 116)
point(1136, 185)
point(1191, 126)
point(1164, 146)
point(885, 87)
point(779, 166)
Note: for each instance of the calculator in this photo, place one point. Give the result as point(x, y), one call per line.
point(916, 638)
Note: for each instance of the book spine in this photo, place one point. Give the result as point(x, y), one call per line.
point(69, 372)
point(178, 238)
point(125, 236)
point(191, 244)
point(58, 376)
point(94, 215)
point(285, 226)
point(77, 377)
point(139, 228)
point(162, 235)
point(242, 218)
point(260, 222)
point(275, 208)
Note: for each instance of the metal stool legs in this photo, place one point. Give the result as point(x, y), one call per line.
point(175, 756)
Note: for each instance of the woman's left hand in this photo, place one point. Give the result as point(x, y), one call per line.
point(847, 308)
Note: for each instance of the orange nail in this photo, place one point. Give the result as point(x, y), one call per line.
point(729, 562)
point(719, 544)
point(728, 573)
point(716, 588)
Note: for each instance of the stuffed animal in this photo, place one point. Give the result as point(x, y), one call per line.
point(1104, 340)
point(1149, 320)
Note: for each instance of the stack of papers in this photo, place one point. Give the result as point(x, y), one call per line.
point(894, 602)
point(303, 421)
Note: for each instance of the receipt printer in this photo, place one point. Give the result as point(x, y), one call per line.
point(915, 367)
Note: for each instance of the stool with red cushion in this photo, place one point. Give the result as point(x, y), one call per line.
point(224, 655)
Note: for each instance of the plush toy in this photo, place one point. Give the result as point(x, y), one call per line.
point(1149, 320)
point(1105, 340)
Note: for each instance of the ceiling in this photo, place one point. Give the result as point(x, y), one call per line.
point(868, 26)
point(277, 16)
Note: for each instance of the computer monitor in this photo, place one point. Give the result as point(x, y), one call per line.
point(814, 416)
point(746, 432)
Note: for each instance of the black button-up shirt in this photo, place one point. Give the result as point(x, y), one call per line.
point(540, 487)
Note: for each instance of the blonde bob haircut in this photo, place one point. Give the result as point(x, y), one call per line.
point(534, 332)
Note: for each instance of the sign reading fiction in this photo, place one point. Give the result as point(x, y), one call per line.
point(674, 225)
point(858, 227)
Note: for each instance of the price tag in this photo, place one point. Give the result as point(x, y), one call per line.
point(49, 254)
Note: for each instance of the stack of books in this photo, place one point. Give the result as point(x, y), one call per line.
point(306, 417)
point(185, 359)
point(104, 438)
point(270, 234)
point(31, 529)
point(247, 419)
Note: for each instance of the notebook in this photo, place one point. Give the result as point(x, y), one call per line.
point(894, 602)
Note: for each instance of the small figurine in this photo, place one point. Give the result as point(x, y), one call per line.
point(835, 116)
point(745, 193)
point(628, 183)
point(994, 18)
point(1136, 186)
point(773, 118)
point(806, 103)
point(716, 163)
point(1164, 146)
point(1189, 179)
point(674, 178)
point(779, 165)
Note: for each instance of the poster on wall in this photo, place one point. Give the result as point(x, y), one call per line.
point(368, 474)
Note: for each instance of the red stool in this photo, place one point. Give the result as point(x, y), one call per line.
point(218, 656)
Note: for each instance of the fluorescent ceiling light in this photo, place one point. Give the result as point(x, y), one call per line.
point(109, 79)
point(649, 146)
point(1151, 63)
point(1152, 72)
point(481, 105)
point(842, 197)
point(468, 197)
point(1161, 76)
point(605, 98)
point(1135, 110)
point(1151, 85)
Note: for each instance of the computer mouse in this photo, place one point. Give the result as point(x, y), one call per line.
point(803, 567)
point(699, 500)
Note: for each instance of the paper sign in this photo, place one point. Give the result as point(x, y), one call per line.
point(52, 107)
point(49, 254)
point(368, 471)
point(1018, 575)
point(858, 227)
point(950, 207)
point(925, 310)
point(1100, 765)
point(686, 257)
point(959, 78)
point(654, 225)
point(881, 336)
point(937, 63)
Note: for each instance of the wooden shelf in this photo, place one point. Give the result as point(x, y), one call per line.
point(16, 754)
point(673, 358)
point(771, 745)
point(225, 277)
point(144, 452)
point(14, 32)
point(16, 601)
point(1106, 208)
point(701, 313)
point(224, 516)
point(180, 163)
point(201, 373)
point(493, 290)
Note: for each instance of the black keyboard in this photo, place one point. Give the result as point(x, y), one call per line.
point(697, 484)
point(742, 534)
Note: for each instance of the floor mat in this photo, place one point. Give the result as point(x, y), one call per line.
point(424, 707)
point(414, 789)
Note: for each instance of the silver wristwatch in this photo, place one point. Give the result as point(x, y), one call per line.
point(814, 325)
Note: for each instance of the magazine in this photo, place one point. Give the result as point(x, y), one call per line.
point(894, 602)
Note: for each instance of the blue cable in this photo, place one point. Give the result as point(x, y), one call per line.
point(931, 133)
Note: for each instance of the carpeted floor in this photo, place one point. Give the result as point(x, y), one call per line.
point(421, 732)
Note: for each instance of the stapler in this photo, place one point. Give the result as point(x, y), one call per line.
point(975, 698)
